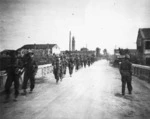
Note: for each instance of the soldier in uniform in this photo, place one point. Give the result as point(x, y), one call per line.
point(30, 67)
point(61, 67)
point(70, 65)
point(56, 69)
point(64, 65)
point(84, 61)
point(88, 61)
point(13, 74)
point(81, 61)
point(77, 62)
point(126, 74)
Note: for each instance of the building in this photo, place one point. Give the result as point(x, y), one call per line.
point(84, 49)
point(6, 53)
point(143, 45)
point(83, 53)
point(42, 49)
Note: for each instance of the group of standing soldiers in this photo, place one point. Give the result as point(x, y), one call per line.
point(60, 64)
point(17, 66)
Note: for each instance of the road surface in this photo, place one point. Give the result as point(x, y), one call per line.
point(91, 93)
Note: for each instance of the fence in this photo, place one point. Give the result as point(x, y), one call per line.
point(43, 70)
point(141, 71)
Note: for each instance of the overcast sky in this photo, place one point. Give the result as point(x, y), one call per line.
point(95, 23)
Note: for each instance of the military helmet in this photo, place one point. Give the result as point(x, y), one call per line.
point(127, 56)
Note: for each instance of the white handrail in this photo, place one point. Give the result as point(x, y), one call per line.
point(43, 70)
point(141, 71)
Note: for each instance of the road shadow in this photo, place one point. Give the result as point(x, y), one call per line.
point(118, 95)
point(128, 97)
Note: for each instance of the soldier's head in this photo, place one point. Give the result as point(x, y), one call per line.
point(127, 57)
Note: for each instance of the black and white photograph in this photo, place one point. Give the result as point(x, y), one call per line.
point(74, 59)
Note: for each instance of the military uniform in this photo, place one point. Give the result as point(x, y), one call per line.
point(82, 62)
point(89, 61)
point(77, 62)
point(30, 67)
point(70, 65)
point(126, 75)
point(85, 62)
point(64, 66)
point(13, 74)
point(61, 67)
point(56, 69)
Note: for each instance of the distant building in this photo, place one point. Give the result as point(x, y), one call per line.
point(116, 52)
point(43, 49)
point(132, 51)
point(84, 49)
point(120, 53)
point(83, 53)
point(143, 45)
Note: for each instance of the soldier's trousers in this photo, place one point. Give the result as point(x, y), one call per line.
point(31, 77)
point(10, 79)
point(126, 80)
point(70, 70)
point(84, 64)
point(64, 71)
point(56, 74)
point(77, 67)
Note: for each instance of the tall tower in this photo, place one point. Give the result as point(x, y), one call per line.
point(70, 41)
point(73, 43)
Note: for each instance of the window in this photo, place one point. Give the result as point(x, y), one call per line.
point(148, 61)
point(147, 45)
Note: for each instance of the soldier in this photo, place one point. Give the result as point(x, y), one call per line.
point(64, 65)
point(88, 61)
point(126, 74)
point(82, 61)
point(85, 61)
point(13, 74)
point(56, 69)
point(77, 62)
point(70, 65)
point(30, 67)
point(61, 67)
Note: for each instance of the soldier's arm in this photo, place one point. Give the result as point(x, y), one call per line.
point(120, 68)
point(131, 68)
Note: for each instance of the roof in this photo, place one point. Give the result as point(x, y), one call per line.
point(145, 33)
point(8, 51)
point(37, 46)
point(132, 50)
point(84, 49)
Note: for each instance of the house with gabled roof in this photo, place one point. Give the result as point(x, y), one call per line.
point(143, 45)
point(44, 49)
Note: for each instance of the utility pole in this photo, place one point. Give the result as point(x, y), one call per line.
point(70, 41)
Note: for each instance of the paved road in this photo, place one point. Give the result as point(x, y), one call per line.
point(91, 93)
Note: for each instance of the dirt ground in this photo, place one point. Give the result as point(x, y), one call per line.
point(91, 93)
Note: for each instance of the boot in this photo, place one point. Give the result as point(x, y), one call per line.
point(24, 92)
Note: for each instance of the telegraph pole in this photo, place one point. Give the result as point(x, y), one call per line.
point(70, 41)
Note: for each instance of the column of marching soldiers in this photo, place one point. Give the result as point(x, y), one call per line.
point(28, 66)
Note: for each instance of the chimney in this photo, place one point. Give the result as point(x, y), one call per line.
point(73, 43)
